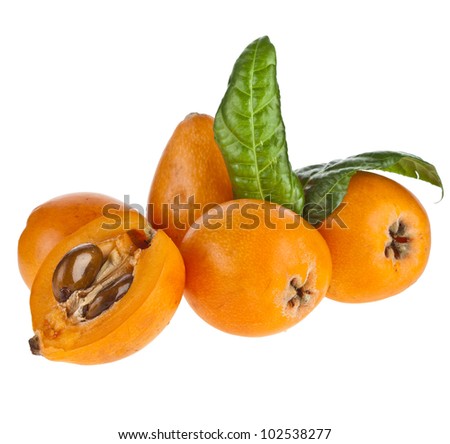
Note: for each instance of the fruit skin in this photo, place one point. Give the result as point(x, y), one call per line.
point(51, 222)
point(190, 166)
point(131, 323)
point(238, 280)
point(361, 270)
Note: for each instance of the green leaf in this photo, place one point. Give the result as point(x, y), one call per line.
point(325, 185)
point(250, 132)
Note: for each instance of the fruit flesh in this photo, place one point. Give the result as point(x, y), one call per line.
point(385, 244)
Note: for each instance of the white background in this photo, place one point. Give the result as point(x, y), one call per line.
point(91, 91)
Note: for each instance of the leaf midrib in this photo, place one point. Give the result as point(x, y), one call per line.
point(252, 117)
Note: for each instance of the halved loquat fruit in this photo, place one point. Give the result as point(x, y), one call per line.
point(254, 268)
point(381, 242)
point(105, 291)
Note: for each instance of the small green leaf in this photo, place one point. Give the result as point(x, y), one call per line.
point(250, 132)
point(325, 185)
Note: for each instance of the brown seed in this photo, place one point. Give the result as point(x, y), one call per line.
point(76, 270)
point(108, 296)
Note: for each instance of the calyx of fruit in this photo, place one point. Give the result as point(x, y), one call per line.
point(398, 245)
point(298, 295)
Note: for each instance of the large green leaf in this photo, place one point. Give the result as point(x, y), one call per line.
point(325, 185)
point(250, 132)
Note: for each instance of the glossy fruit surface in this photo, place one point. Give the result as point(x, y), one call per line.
point(191, 174)
point(131, 300)
point(254, 268)
point(52, 221)
point(382, 241)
